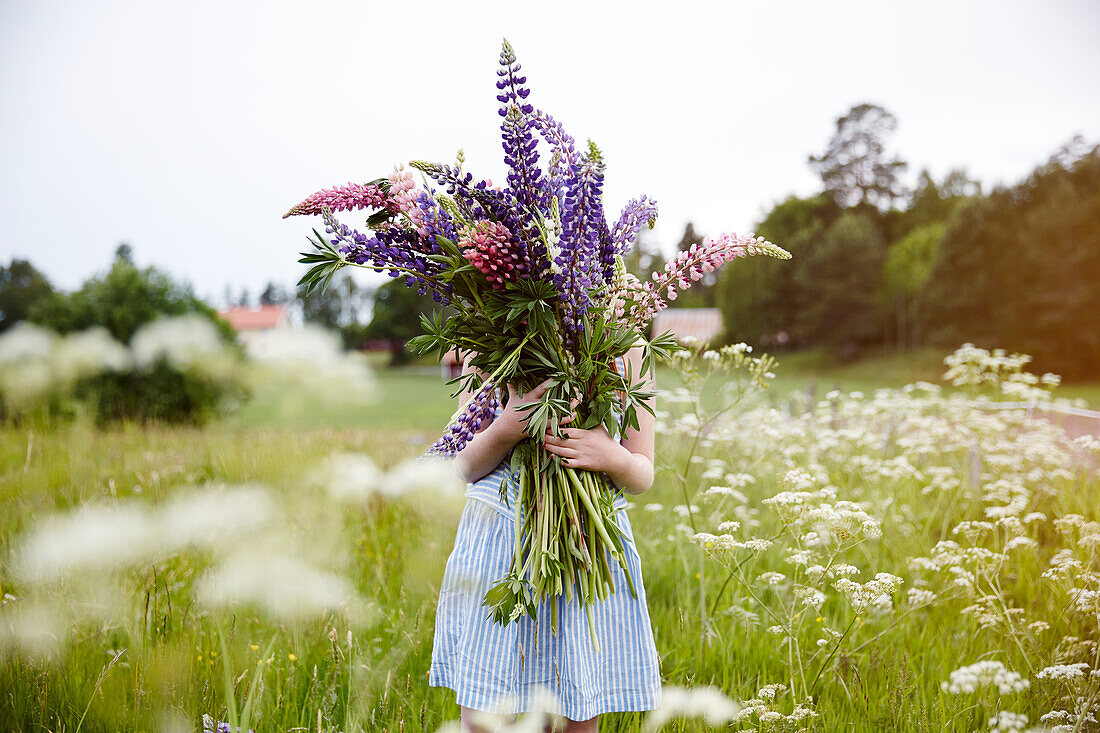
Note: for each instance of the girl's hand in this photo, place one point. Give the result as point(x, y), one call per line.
point(514, 422)
point(593, 449)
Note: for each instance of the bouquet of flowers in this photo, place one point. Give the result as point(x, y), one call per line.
point(534, 287)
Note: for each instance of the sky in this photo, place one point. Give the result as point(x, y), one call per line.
point(188, 129)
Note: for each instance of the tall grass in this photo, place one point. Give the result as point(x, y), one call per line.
point(127, 635)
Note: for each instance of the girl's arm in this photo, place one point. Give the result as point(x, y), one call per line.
point(629, 465)
point(493, 440)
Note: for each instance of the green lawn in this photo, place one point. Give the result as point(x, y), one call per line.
point(418, 400)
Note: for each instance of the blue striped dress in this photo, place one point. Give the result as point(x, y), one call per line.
point(510, 669)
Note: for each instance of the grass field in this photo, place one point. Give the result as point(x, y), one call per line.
point(112, 631)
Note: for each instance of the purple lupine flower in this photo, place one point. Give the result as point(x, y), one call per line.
point(435, 220)
point(480, 201)
point(209, 725)
point(474, 414)
point(525, 179)
point(606, 251)
point(618, 240)
point(576, 260)
point(636, 213)
point(398, 252)
point(342, 198)
point(563, 147)
point(459, 185)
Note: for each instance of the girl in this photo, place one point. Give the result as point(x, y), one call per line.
point(485, 663)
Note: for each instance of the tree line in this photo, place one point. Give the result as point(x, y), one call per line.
point(880, 266)
point(125, 297)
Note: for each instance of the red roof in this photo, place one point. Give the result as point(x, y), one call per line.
point(254, 318)
point(704, 324)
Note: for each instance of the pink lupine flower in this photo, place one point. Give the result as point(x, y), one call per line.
point(626, 291)
point(690, 265)
point(403, 191)
point(488, 245)
point(342, 198)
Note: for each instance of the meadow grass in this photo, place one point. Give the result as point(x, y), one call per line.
point(147, 657)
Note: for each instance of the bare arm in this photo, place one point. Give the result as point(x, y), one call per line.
point(492, 441)
point(635, 474)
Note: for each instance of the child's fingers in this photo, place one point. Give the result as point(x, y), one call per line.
point(572, 415)
point(539, 389)
point(559, 450)
point(566, 434)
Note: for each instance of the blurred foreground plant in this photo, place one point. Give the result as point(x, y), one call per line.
point(175, 370)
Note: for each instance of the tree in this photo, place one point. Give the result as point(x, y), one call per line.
point(1019, 268)
point(841, 278)
point(855, 168)
point(702, 293)
point(122, 300)
point(21, 287)
point(644, 257)
point(274, 294)
point(396, 316)
point(930, 202)
point(342, 304)
point(762, 298)
point(909, 263)
point(689, 238)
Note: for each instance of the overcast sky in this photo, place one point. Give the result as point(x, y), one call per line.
point(188, 128)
